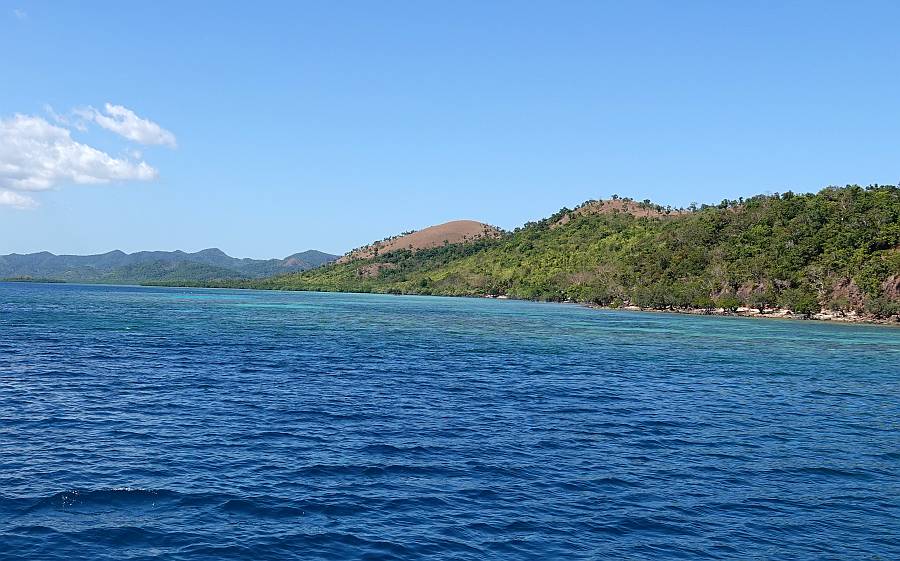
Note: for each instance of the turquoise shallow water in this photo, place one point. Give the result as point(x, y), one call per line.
point(144, 423)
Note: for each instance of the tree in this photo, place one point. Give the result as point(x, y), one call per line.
point(729, 302)
point(762, 299)
point(882, 307)
point(801, 301)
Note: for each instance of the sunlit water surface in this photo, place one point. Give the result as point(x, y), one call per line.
point(144, 423)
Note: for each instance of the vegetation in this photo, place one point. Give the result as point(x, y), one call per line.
point(837, 249)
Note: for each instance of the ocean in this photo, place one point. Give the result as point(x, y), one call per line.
point(186, 424)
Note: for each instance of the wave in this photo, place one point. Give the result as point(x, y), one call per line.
point(389, 449)
point(112, 497)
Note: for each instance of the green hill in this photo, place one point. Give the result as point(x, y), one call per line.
point(838, 249)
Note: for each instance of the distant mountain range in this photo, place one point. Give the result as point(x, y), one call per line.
point(153, 266)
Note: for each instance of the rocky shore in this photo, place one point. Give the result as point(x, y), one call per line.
point(773, 313)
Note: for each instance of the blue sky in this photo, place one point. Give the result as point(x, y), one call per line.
point(327, 125)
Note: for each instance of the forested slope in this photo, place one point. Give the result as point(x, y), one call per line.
point(837, 249)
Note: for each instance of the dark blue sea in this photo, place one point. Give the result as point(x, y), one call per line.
point(185, 424)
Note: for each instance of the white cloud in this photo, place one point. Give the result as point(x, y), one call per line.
point(36, 155)
point(75, 119)
point(125, 122)
point(16, 200)
point(20, 14)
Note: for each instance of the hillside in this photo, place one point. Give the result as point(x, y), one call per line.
point(457, 231)
point(153, 266)
point(838, 249)
point(643, 209)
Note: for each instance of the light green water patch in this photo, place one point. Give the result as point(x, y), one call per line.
point(285, 305)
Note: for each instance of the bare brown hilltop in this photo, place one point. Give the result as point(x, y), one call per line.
point(457, 231)
point(637, 209)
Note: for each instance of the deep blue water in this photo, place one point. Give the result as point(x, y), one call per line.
point(143, 423)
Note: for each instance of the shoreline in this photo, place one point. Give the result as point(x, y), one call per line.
point(826, 316)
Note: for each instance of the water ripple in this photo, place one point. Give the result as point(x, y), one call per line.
point(168, 424)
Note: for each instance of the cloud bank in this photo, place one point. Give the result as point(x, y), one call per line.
point(126, 123)
point(36, 155)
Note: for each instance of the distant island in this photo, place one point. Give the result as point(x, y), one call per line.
point(834, 254)
point(147, 267)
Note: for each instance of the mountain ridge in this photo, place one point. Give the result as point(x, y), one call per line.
point(118, 266)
